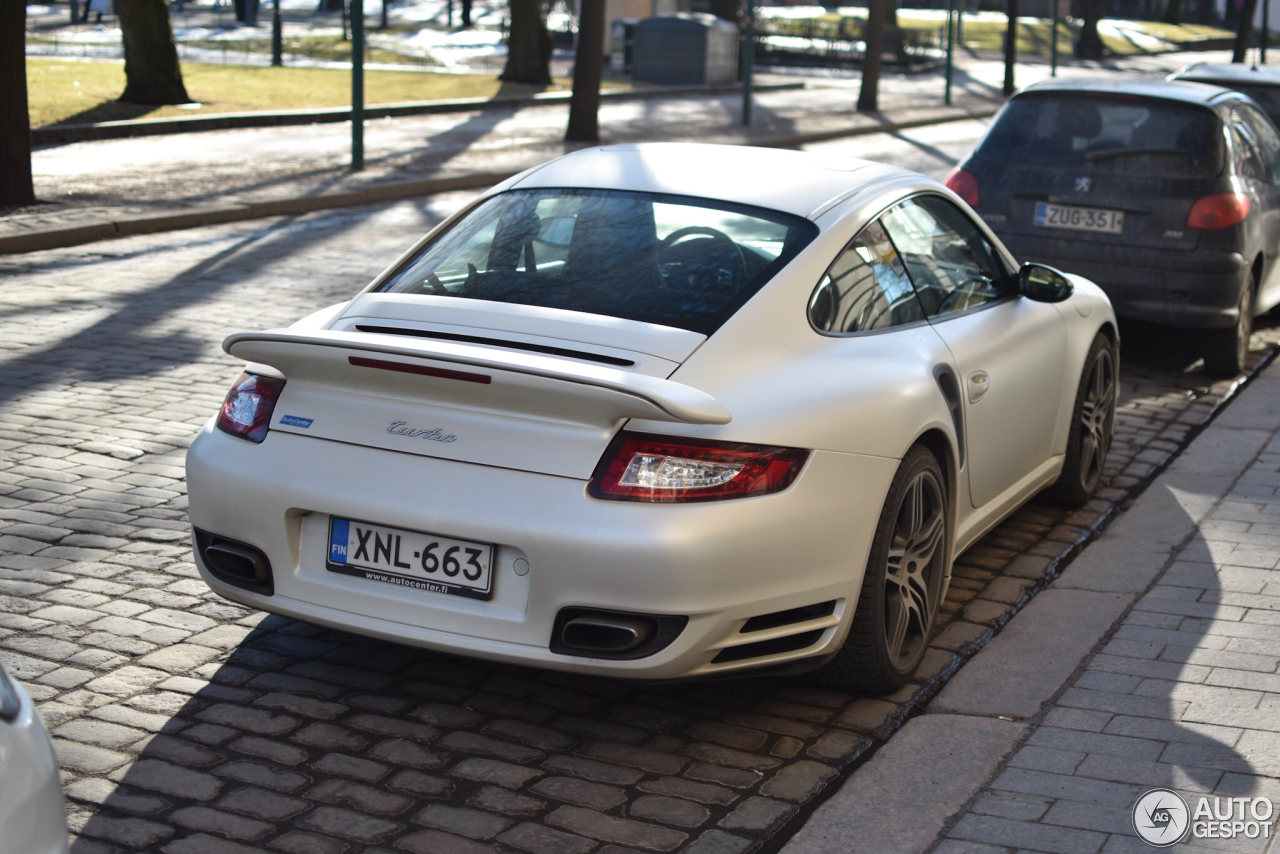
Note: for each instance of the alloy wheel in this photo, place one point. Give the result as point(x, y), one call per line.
point(1097, 419)
point(916, 563)
point(1244, 327)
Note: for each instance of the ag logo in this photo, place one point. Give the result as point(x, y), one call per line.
point(1161, 817)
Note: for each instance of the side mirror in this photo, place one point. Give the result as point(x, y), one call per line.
point(1043, 284)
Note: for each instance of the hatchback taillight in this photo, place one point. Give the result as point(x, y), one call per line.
point(964, 185)
point(645, 467)
point(246, 412)
point(1220, 210)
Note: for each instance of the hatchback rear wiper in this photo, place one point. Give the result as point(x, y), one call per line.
point(1095, 156)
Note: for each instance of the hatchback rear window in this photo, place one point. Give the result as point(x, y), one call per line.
point(672, 260)
point(1146, 138)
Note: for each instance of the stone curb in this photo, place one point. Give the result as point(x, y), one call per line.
point(56, 238)
point(92, 131)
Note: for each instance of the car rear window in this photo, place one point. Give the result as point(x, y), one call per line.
point(1128, 136)
point(673, 260)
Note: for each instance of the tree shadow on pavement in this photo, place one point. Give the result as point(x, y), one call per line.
point(94, 352)
point(1179, 680)
point(933, 151)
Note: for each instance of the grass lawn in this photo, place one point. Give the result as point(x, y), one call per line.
point(61, 90)
point(1034, 34)
point(332, 47)
point(986, 32)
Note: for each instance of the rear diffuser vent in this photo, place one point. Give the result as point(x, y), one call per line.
point(786, 618)
point(759, 649)
point(499, 342)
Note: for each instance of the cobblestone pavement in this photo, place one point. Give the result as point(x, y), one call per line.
point(1183, 695)
point(188, 724)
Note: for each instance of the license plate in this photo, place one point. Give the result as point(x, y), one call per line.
point(410, 558)
point(1079, 219)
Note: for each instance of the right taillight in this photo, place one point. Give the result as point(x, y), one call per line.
point(964, 185)
point(664, 469)
point(246, 413)
point(1220, 210)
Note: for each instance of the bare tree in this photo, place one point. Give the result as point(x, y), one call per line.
point(15, 122)
point(1090, 44)
point(1244, 35)
point(151, 71)
point(730, 10)
point(528, 45)
point(1010, 46)
point(873, 36)
point(588, 64)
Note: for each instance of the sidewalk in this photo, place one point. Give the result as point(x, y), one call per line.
point(191, 179)
point(1151, 662)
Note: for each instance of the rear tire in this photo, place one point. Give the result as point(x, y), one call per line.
point(1092, 424)
point(1226, 351)
point(903, 585)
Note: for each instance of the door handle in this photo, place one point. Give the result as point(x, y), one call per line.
point(979, 385)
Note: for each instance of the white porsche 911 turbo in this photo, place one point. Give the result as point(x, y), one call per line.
point(659, 411)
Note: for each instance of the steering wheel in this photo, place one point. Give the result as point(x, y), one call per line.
point(737, 263)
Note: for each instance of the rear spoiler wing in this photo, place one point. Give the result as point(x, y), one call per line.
point(630, 395)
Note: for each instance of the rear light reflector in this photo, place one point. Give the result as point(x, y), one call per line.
point(421, 370)
point(964, 185)
point(246, 413)
point(1220, 210)
point(645, 467)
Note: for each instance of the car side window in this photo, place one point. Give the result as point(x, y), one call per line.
point(866, 288)
point(1265, 138)
point(952, 265)
point(1245, 152)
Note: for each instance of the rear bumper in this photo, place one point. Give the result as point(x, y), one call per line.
point(718, 563)
point(1199, 289)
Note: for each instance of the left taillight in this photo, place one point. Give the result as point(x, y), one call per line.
point(246, 413)
point(654, 468)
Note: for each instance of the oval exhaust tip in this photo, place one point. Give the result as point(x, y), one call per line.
point(605, 634)
point(238, 561)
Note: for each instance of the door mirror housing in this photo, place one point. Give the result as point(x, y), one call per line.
point(1044, 284)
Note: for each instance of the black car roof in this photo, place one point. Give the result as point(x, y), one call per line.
point(1231, 74)
point(1198, 94)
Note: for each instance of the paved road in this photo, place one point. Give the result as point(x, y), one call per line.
point(187, 724)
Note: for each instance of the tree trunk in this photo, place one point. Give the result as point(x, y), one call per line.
point(1010, 47)
point(1173, 12)
point(868, 96)
point(151, 71)
point(466, 15)
point(383, 24)
point(15, 122)
point(730, 10)
point(1244, 35)
point(528, 46)
point(584, 105)
point(1090, 45)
